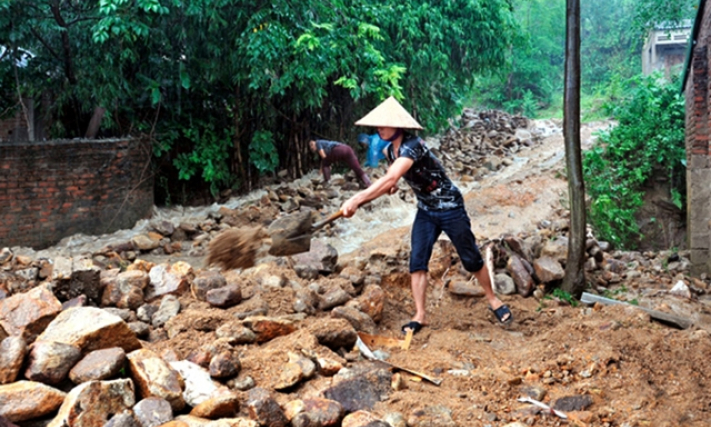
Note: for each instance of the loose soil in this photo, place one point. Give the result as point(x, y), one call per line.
point(635, 371)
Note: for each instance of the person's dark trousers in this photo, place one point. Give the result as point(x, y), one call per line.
point(343, 153)
point(455, 223)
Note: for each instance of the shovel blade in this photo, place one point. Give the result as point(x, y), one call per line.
point(291, 234)
point(290, 246)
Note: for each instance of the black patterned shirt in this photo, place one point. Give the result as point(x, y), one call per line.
point(434, 190)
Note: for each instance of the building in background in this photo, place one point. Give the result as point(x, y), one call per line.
point(665, 48)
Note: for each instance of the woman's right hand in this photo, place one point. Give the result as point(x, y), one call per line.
point(349, 207)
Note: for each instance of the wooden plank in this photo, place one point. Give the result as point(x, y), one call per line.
point(380, 341)
point(408, 339)
point(365, 351)
point(671, 319)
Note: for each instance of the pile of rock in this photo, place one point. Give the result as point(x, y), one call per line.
point(82, 346)
point(483, 142)
point(535, 262)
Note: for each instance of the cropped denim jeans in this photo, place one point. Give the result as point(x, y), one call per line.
point(455, 223)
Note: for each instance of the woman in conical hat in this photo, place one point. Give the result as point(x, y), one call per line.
point(440, 206)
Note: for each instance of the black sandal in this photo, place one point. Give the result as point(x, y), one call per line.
point(501, 313)
point(414, 326)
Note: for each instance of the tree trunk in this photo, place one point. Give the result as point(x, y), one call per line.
point(95, 123)
point(574, 280)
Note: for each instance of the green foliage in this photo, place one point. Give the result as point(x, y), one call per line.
point(235, 68)
point(671, 12)
point(615, 294)
point(533, 71)
point(565, 296)
point(262, 153)
point(208, 158)
point(612, 37)
point(649, 139)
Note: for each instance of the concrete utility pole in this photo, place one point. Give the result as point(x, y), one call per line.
point(574, 280)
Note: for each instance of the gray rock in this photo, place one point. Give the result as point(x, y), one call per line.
point(80, 301)
point(522, 278)
point(318, 412)
point(152, 412)
point(573, 403)
point(225, 364)
point(124, 419)
point(224, 297)
point(354, 275)
point(12, 354)
point(361, 390)
point(322, 258)
point(49, 362)
point(94, 402)
point(334, 333)
point(504, 284)
point(436, 415)
point(548, 269)
point(165, 228)
point(359, 320)
point(465, 288)
point(236, 333)
point(125, 290)
point(205, 281)
point(264, 409)
point(242, 384)
point(534, 392)
point(305, 301)
point(99, 365)
point(141, 329)
point(166, 280)
point(556, 249)
point(333, 297)
point(145, 312)
point(169, 308)
point(371, 301)
point(156, 378)
point(125, 314)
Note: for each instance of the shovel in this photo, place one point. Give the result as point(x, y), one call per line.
point(292, 234)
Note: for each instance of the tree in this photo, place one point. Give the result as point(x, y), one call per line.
point(229, 90)
point(574, 280)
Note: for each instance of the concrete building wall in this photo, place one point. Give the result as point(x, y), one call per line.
point(698, 149)
point(665, 49)
point(53, 189)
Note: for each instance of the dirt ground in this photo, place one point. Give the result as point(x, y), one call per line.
point(630, 370)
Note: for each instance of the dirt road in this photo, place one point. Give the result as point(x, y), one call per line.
point(623, 368)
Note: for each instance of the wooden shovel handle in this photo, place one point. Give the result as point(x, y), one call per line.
point(330, 219)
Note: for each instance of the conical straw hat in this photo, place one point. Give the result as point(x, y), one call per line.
point(389, 114)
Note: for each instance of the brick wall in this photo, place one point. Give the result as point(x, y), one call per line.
point(54, 189)
point(698, 150)
point(9, 126)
